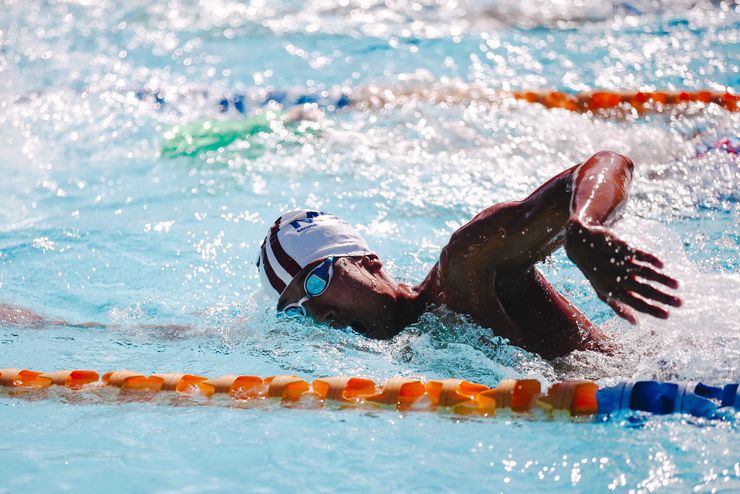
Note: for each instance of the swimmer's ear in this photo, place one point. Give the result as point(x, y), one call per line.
point(372, 263)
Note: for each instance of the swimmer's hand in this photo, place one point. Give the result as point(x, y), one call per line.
point(617, 271)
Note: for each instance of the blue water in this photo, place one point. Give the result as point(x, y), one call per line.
point(96, 226)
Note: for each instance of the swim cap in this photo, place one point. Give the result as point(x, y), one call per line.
point(297, 239)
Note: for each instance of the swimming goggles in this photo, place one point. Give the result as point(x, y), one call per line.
point(315, 284)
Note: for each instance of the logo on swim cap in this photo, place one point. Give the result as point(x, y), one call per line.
point(307, 222)
point(297, 239)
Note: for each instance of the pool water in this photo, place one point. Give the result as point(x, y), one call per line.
point(96, 226)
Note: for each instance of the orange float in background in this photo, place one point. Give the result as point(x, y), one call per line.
point(703, 96)
point(603, 99)
point(556, 99)
point(643, 102)
point(529, 97)
point(729, 101)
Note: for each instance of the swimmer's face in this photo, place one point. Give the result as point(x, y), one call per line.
point(360, 295)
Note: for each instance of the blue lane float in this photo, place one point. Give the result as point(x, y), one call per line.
point(245, 103)
point(697, 399)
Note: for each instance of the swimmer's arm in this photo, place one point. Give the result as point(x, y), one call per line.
point(17, 316)
point(14, 315)
point(515, 234)
point(571, 209)
point(616, 270)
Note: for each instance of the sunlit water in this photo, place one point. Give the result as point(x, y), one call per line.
point(96, 226)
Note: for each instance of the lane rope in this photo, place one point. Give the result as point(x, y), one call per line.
point(599, 102)
point(457, 396)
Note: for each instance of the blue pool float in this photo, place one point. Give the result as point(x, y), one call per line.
point(699, 400)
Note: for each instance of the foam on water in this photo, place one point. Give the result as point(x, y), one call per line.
point(95, 225)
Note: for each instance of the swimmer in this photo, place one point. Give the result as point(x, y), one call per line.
point(317, 265)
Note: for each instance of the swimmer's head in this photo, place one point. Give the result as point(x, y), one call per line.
point(298, 239)
point(359, 293)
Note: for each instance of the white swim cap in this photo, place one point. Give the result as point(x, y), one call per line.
point(301, 237)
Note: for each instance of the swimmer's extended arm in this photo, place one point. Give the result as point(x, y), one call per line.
point(570, 209)
point(16, 316)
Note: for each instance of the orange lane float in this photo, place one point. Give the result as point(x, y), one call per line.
point(516, 395)
point(183, 383)
point(239, 387)
point(23, 378)
point(343, 389)
point(72, 378)
point(460, 396)
point(642, 102)
point(126, 379)
point(399, 393)
point(573, 397)
point(457, 396)
point(288, 388)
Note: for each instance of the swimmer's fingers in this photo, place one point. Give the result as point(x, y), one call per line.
point(651, 293)
point(632, 254)
point(650, 274)
point(643, 256)
point(620, 309)
point(633, 300)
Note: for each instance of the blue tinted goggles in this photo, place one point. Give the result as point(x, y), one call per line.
point(315, 284)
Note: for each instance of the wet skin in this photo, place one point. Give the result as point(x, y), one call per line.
point(487, 270)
